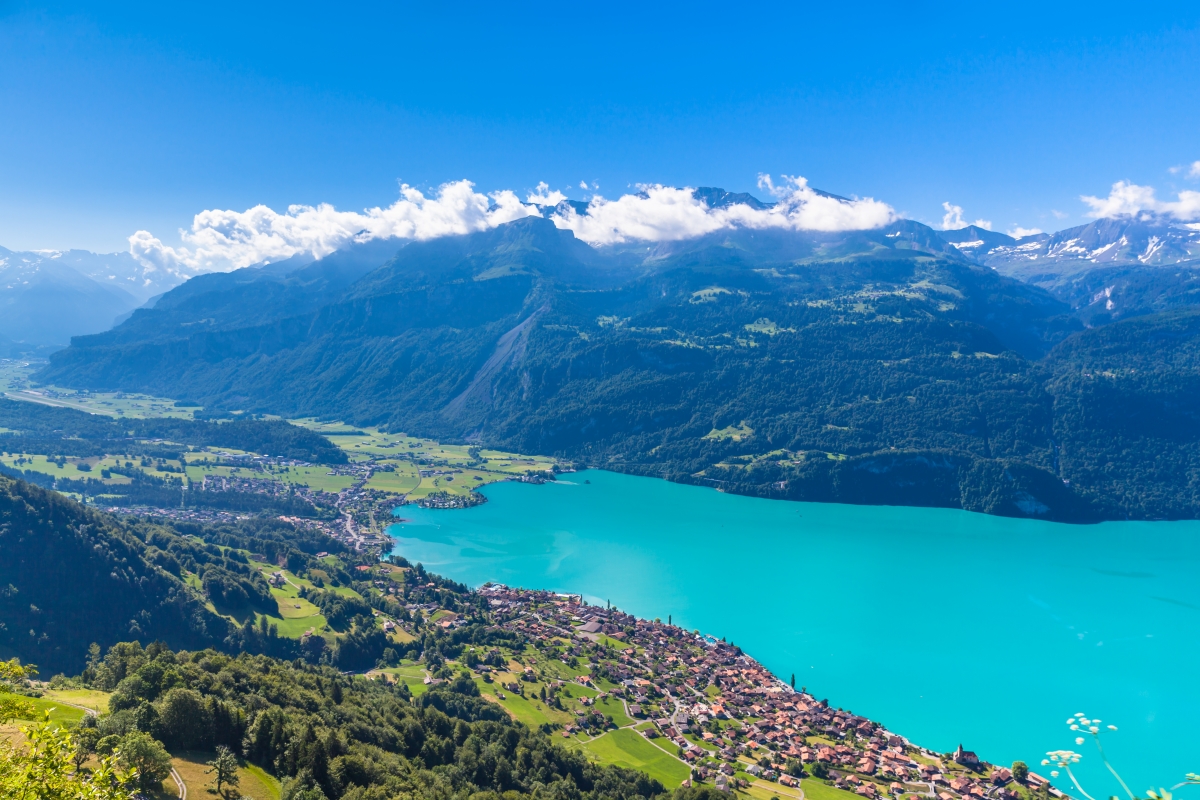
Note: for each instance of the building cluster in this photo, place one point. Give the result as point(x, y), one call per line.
point(728, 716)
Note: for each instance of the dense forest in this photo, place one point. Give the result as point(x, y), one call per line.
point(72, 576)
point(329, 735)
point(874, 367)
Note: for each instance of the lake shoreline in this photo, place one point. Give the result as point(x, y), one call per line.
point(966, 598)
point(725, 712)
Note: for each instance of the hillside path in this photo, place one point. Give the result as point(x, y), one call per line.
point(91, 712)
point(179, 782)
point(174, 775)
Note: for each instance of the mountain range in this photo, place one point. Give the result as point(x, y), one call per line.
point(879, 366)
point(1106, 270)
point(47, 297)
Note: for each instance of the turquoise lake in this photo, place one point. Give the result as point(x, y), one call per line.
point(943, 625)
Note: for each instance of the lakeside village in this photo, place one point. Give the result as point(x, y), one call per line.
point(356, 516)
point(714, 710)
point(586, 672)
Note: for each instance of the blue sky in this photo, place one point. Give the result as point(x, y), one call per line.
point(119, 119)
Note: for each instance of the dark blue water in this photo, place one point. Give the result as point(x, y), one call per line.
point(945, 626)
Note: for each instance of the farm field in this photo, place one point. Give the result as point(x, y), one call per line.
point(612, 707)
point(531, 711)
point(411, 674)
point(294, 615)
point(192, 765)
point(92, 467)
point(516, 464)
point(816, 790)
point(765, 790)
point(60, 714)
point(42, 464)
point(110, 404)
point(398, 459)
point(626, 748)
point(316, 478)
point(297, 616)
point(402, 481)
point(14, 382)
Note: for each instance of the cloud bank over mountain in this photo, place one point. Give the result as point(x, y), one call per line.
point(226, 239)
point(221, 240)
point(663, 213)
point(1127, 199)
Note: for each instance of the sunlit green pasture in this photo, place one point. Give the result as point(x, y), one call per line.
point(60, 713)
point(626, 748)
point(14, 382)
point(316, 478)
point(88, 698)
point(402, 481)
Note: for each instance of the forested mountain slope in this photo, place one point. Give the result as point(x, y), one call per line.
point(1126, 412)
point(874, 367)
point(70, 576)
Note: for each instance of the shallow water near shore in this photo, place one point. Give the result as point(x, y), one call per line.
point(943, 625)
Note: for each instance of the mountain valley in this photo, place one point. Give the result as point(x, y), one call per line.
point(879, 366)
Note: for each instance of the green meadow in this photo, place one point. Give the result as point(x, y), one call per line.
point(627, 748)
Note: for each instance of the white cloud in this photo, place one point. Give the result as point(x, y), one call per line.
point(657, 214)
point(220, 240)
point(1129, 199)
point(1192, 170)
point(803, 208)
point(1018, 232)
point(542, 196)
point(953, 220)
point(663, 213)
point(1059, 214)
point(225, 239)
point(583, 185)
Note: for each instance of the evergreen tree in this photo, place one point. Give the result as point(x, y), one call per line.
point(223, 768)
